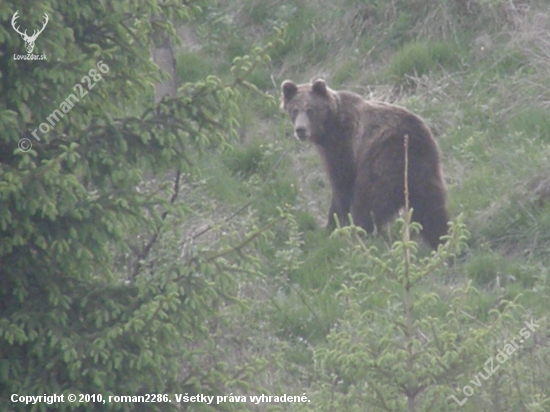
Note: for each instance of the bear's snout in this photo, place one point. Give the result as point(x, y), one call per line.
point(301, 132)
point(302, 126)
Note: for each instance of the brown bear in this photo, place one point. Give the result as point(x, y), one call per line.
point(362, 146)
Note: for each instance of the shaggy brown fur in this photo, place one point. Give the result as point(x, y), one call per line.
point(362, 145)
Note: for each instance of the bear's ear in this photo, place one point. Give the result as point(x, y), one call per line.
point(320, 87)
point(289, 89)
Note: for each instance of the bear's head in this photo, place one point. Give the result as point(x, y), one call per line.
point(312, 108)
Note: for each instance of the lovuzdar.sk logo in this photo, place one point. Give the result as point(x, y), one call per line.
point(29, 40)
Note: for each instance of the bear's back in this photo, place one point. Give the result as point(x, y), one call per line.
point(380, 123)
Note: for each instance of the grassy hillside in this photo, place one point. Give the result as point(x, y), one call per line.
point(478, 71)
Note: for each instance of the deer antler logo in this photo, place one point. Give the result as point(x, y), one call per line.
point(29, 40)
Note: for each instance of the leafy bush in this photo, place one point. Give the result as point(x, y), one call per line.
point(100, 291)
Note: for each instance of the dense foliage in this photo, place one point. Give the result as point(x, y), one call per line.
point(99, 293)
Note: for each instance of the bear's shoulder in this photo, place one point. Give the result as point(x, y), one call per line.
point(348, 99)
point(374, 111)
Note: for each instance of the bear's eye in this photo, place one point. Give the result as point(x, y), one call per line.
point(294, 112)
point(309, 111)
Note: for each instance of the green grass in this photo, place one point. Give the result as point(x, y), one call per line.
point(421, 57)
point(346, 71)
point(222, 185)
point(244, 161)
point(533, 121)
point(192, 66)
point(494, 270)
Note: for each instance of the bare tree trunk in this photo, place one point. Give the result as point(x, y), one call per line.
point(163, 56)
